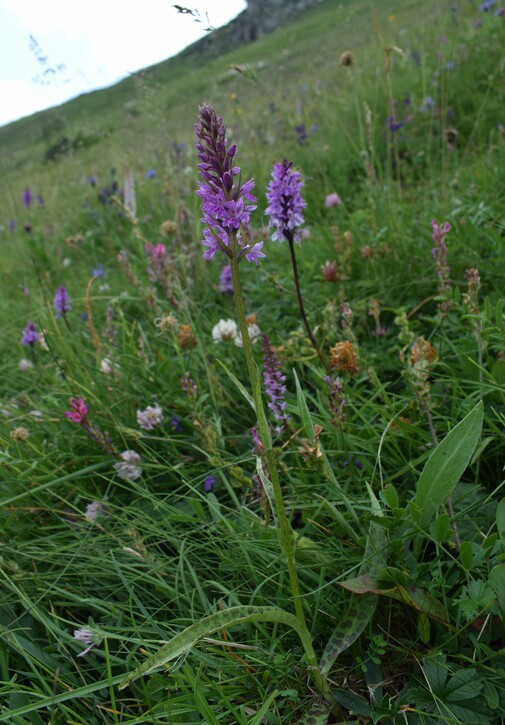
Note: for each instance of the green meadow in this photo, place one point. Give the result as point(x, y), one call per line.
point(272, 493)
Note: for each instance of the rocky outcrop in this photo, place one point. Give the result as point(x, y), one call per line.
point(260, 18)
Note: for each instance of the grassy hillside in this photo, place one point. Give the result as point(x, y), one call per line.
point(292, 468)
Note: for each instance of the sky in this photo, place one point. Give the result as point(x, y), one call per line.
point(54, 50)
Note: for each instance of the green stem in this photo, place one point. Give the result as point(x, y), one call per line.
point(286, 536)
point(289, 237)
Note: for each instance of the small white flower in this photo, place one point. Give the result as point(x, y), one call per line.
point(24, 365)
point(150, 418)
point(94, 509)
point(87, 637)
point(225, 330)
point(254, 333)
point(127, 468)
point(66, 262)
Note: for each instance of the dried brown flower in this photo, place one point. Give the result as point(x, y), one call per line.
point(344, 357)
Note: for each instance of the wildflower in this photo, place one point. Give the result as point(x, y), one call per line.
point(439, 252)
point(225, 330)
point(98, 271)
point(336, 401)
point(87, 637)
point(330, 271)
point(186, 336)
point(274, 384)
point(92, 180)
point(226, 203)
point(393, 125)
point(332, 199)
point(188, 385)
point(94, 510)
point(344, 357)
point(24, 365)
point(169, 228)
point(79, 412)
point(106, 366)
point(471, 297)
point(30, 334)
point(486, 6)
point(225, 280)
point(208, 483)
point(127, 468)
point(255, 253)
point(61, 301)
point(150, 418)
point(253, 331)
point(175, 423)
point(286, 203)
point(20, 433)
point(27, 198)
point(12, 225)
point(150, 174)
point(346, 59)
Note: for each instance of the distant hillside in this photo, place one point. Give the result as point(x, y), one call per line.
point(260, 18)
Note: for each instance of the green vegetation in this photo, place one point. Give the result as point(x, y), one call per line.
point(143, 577)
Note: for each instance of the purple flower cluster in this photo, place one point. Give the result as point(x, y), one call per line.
point(30, 334)
point(274, 384)
point(226, 203)
point(285, 202)
point(61, 301)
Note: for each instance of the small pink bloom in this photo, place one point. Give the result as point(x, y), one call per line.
point(79, 411)
point(332, 199)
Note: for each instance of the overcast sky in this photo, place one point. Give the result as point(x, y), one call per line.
point(53, 50)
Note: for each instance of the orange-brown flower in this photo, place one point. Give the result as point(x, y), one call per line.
point(344, 357)
point(186, 337)
point(423, 352)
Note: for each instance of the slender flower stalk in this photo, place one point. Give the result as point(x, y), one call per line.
point(227, 204)
point(285, 210)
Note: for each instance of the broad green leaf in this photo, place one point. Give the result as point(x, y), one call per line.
point(446, 465)
point(189, 637)
point(442, 530)
point(317, 715)
point(352, 702)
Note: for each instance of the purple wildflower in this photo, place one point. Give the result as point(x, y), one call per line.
point(286, 203)
point(393, 125)
point(12, 225)
point(332, 199)
point(30, 334)
point(486, 6)
point(98, 271)
point(274, 384)
point(176, 424)
point(27, 198)
point(79, 412)
point(92, 180)
point(208, 483)
point(254, 253)
point(61, 301)
point(150, 174)
point(225, 281)
point(226, 203)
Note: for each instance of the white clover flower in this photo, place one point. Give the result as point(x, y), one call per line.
point(127, 467)
point(24, 365)
point(225, 330)
point(151, 417)
point(254, 333)
point(94, 509)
